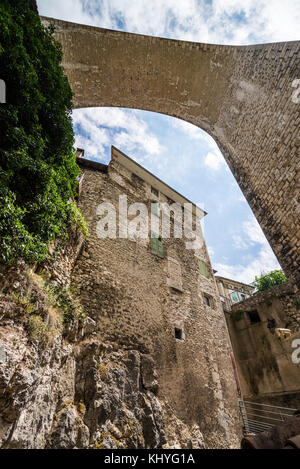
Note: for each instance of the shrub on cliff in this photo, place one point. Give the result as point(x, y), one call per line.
point(37, 163)
point(266, 281)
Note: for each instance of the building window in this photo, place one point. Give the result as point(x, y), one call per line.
point(178, 333)
point(234, 297)
point(155, 208)
point(206, 300)
point(156, 244)
point(253, 316)
point(242, 296)
point(271, 325)
point(154, 191)
point(203, 268)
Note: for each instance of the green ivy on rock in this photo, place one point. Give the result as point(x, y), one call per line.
point(38, 170)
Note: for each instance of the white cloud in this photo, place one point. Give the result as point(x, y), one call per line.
point(222, 21)
point(91, 137)
point(101, 127)
point(239, 242)
point(254, 232)
point(211, 251)
point(214, 161)
point(68, 10)
point(264, 261)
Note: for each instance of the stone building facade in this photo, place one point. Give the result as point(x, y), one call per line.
point(232, 291)
point(265, 335)
point(157, 297)
point(245, 97)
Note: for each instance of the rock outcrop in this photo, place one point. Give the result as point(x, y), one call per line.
point(61, 386)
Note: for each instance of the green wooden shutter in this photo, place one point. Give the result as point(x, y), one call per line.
point(234, 296)
point(160, 246)
point(203, 268)
point(156, 244)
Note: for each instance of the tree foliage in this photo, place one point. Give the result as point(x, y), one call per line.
point(38, 171)
point(266, 281)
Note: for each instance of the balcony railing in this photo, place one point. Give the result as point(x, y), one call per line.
point(258, 418)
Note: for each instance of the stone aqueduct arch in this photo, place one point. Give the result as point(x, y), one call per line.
point(240, 95)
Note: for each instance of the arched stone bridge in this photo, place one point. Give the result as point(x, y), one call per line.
point(246, 97)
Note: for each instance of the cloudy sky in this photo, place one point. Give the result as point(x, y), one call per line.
point(179, 153)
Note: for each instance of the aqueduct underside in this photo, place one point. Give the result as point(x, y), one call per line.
point(240, 95)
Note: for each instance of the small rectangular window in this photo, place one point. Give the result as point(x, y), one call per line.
point(234, 297)
point(253, 316)
point(203, 268)
point(209, 300)
point(206, 300)
point(154, 191)
point(178, 333)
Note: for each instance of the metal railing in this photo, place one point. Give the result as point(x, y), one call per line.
point(258, 418)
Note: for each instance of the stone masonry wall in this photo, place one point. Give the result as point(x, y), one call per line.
point(280, 301)
point(63, 387)
point(125, 288)
point(265, 362)
point(244, 97)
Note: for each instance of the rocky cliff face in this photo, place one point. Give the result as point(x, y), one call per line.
point(60, 385)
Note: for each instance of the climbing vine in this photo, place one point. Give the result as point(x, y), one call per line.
point(38, 171)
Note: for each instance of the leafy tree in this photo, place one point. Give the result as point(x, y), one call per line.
point(38, 171)
point(266, 281)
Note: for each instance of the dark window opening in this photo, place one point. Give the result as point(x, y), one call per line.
point(271, 325)
point(178, 333)
point(253, 316)
point(206, 300)
point(154, 191)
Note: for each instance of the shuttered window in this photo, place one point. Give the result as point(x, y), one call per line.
point(156, 244)
point(234, 297)
point(155, 209)
point(203, 268)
